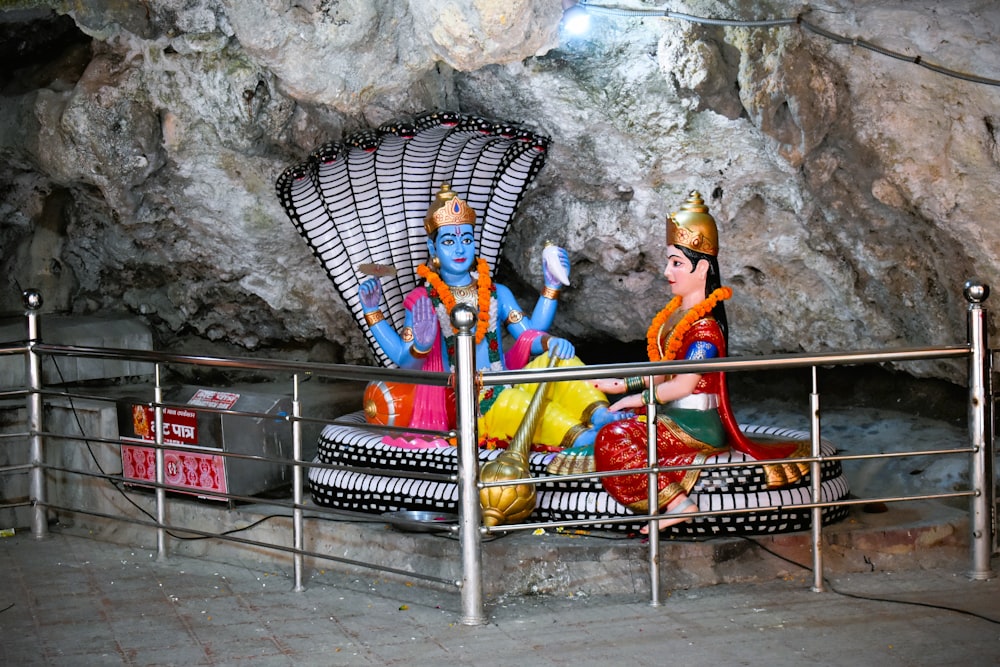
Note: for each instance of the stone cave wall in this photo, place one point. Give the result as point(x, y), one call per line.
point(855, 193)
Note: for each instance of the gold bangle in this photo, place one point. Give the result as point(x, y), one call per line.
point(550, 293)
point(649, 396)
point(634, 383)
point(374, 317)
point(419, 354)
point(545, 342)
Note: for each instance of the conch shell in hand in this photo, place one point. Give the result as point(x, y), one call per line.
point(552, 260)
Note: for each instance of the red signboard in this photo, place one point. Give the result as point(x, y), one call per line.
point(192, 470)
point(180, 427)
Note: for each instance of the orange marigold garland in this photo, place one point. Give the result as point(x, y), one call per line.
point(483, 285)
point(677, 334)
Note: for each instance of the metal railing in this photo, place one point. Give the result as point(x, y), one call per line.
point(466, 382)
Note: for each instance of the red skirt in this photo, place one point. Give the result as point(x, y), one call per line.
point(622, 446)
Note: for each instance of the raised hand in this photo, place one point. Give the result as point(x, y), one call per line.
point(555, 266)
point(425, 323)
point(370, 293)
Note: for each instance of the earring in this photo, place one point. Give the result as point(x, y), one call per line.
point(436, 263)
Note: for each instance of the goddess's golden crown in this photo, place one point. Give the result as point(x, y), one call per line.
point(447, 209)
point(693, 227)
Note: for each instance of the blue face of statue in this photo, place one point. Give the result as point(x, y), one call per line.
point(455, 247)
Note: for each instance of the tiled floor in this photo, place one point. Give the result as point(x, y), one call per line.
point(74, 601)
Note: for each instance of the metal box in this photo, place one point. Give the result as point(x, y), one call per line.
point(196, 435)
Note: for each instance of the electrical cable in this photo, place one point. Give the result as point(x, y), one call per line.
point(870, 598)
point(90, 449)
point(93, 456)
point(783, 22)
point(493, 537)
point(116, 485)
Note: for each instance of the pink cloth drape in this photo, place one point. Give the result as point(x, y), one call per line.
point(429, 409)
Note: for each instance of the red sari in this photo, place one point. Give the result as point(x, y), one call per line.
point(686, 436)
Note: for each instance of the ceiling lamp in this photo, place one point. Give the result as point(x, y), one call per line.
point(576, 20)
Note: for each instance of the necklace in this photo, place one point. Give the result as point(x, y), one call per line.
point(484, 291)
point(673, 345)
point(466, 293)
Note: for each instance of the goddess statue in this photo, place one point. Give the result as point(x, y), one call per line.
point(694, 420)
point(574, 410)
point(361, 205)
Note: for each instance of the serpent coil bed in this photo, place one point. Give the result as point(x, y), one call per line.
point(359, 203)
point(374, 477)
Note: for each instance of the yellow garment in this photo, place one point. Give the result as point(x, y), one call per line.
point(565, 414)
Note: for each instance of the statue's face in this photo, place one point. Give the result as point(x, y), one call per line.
point(455, 247)
point(684, 278)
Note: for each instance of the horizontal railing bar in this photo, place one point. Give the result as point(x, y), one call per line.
point(343, 371)
point(286, 418)
point(16, 468)
point(270, 416)
point(362, 373)
point(408, 474)
point(56, 393)
point(374, 428)
point(255, 543)
point(724, 464)
point(724, 364)
point(150, 484)
point(11, 506)
point(87, 438)
point(117, 478)
point(883, 455)
point(445, 477)
point(644, 518)
point(201, 449)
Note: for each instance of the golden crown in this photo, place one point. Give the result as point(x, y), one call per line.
point(447, 209)
point(693, 227)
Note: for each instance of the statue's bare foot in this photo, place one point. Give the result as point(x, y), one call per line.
point(674, 514)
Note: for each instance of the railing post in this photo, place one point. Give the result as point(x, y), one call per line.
point(816, 474)
point(161, 479)
point(653, 496)
point(983, 505)
point(469, 512)
point(33, 374)
point(298, 533)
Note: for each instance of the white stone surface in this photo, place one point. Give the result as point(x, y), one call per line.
point(855, 192)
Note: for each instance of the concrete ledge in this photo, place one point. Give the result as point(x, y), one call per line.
point(112, 331)
point(911, 535)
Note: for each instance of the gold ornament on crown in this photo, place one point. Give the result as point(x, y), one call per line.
point(693, 227)
point(447, 209)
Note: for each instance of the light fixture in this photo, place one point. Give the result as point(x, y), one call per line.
point(576, 20)
point(577, 13)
